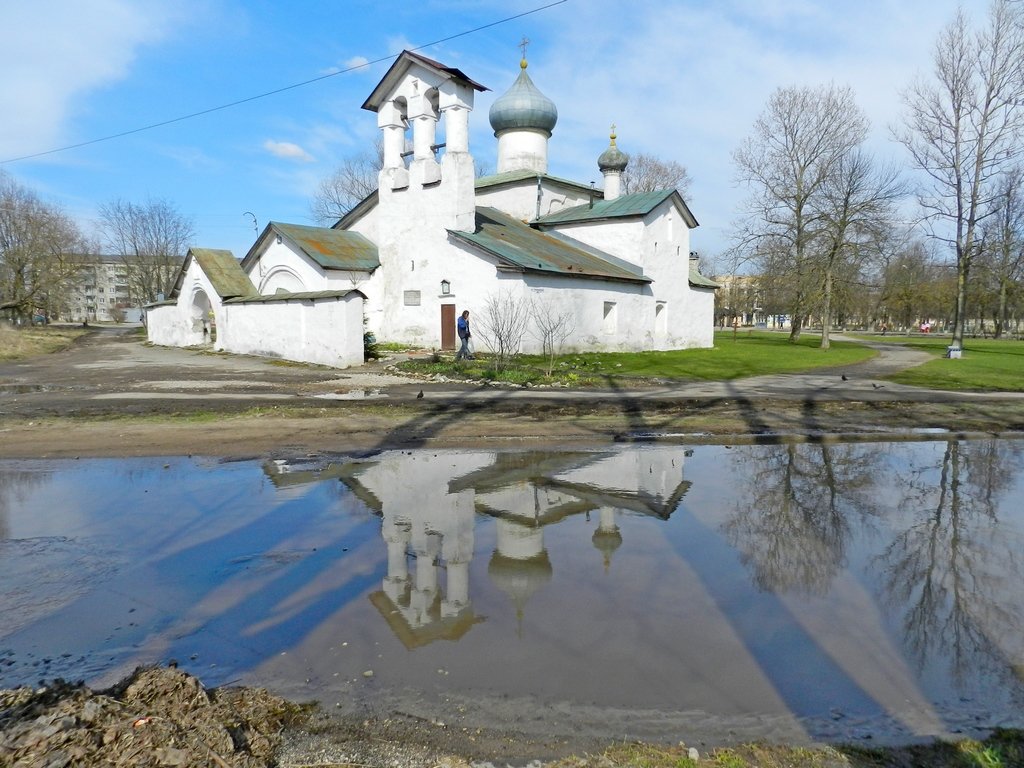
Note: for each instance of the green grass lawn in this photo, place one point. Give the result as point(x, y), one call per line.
point(749, 353)
point(987, 365)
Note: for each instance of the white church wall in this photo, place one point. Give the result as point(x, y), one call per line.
point(520, 200)
point(194, 319)
point(606, 316)
point(322, 331)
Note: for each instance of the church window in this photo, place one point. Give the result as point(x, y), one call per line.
point(611, 320)
point(412, 298)
point(660, 318)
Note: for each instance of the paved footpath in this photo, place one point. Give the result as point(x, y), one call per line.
point(114, 370)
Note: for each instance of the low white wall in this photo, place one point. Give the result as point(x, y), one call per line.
point(320, 331)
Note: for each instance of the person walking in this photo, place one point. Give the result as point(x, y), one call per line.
point(462, 327)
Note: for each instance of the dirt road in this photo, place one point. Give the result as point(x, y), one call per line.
point(112, 394)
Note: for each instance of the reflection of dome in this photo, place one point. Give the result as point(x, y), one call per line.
point(613, 158)
point(520, 579)
point(606, 542)
point(523, 107)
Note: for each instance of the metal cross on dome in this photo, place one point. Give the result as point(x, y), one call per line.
point(525, 42)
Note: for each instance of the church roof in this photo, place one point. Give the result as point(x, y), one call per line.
point(295, 296)
point(624, 206)
point(330, 248)
point(402, 63)
point(522, 248)
point(222, 269)
point(697, 280)
point(513, 177)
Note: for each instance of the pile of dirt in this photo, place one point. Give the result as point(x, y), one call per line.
point(156, 717)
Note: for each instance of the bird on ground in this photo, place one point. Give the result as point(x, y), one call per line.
point(420, 395)
point(844, 377)
point(876, 386)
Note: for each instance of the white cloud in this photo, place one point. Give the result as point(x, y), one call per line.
point(287, 150)
point(356, 61)
point(54, 52)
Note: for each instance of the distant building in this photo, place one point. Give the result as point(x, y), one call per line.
point(101, 292)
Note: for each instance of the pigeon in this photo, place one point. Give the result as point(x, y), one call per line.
point(876, 386)
point(420, 395)
point(844, 377)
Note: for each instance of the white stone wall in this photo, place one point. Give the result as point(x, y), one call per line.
point(520, 200)
point(283, 267)
point(321, 331)
point(198, 309)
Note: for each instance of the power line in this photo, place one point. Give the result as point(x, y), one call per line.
point(276, 91)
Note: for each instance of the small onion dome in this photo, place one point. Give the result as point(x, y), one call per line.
point(613, 159)
point(519, 579)
point(523, 107)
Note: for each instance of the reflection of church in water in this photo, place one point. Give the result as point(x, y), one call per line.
point(428, 503)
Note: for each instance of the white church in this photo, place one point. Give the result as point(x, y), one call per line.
point(435, 239)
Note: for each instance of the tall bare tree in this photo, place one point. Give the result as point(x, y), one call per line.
point(151, 239)
point(39, 248)
point(963, 129)
point(1002, 259)
point(646, 173)
point(347, 185)
point(857, 214)
point(795, 152)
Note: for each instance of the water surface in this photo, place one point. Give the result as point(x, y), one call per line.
point(794, 591)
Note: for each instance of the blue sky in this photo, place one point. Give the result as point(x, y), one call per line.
point(681, 79)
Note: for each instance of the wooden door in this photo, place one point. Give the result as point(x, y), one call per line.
point(447, 326)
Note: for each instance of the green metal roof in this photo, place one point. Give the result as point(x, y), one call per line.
point(223, 270)
point(697, 280)
point(521, 247)
point(331, 248)
point(510, 177)
point(624, 206)
point(296, 296)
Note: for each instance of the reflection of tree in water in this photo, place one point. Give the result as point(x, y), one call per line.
point(955, 572)
point(14, 486)
point(793, 530)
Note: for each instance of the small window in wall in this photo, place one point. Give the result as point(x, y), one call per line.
point(412, 298)
point(611, 317)
point(660, 318)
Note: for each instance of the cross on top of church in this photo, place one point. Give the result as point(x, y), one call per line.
point(523, 44)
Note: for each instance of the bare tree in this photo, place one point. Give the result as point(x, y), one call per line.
point(646, 173)
point(347, 185)
point(39, 248)
point(858, 209)
point(962, 129)
point(796, 150)
point(1002, 258)
point(502, 325)
point(551, 327)
point(151, 239)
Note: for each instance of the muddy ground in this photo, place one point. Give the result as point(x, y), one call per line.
point(113, 395)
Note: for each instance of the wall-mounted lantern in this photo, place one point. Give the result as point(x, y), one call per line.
point(446, 288)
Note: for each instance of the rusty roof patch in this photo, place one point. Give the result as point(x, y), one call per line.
point(331, 248)
point(521, 247)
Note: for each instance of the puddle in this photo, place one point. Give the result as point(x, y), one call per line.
point(797, 592)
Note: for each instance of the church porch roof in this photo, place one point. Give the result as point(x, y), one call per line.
point(222, 269)
point(329, 248)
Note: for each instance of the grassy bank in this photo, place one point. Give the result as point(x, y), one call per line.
point(18, 343)
point(986, 365)
point(747, 353)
